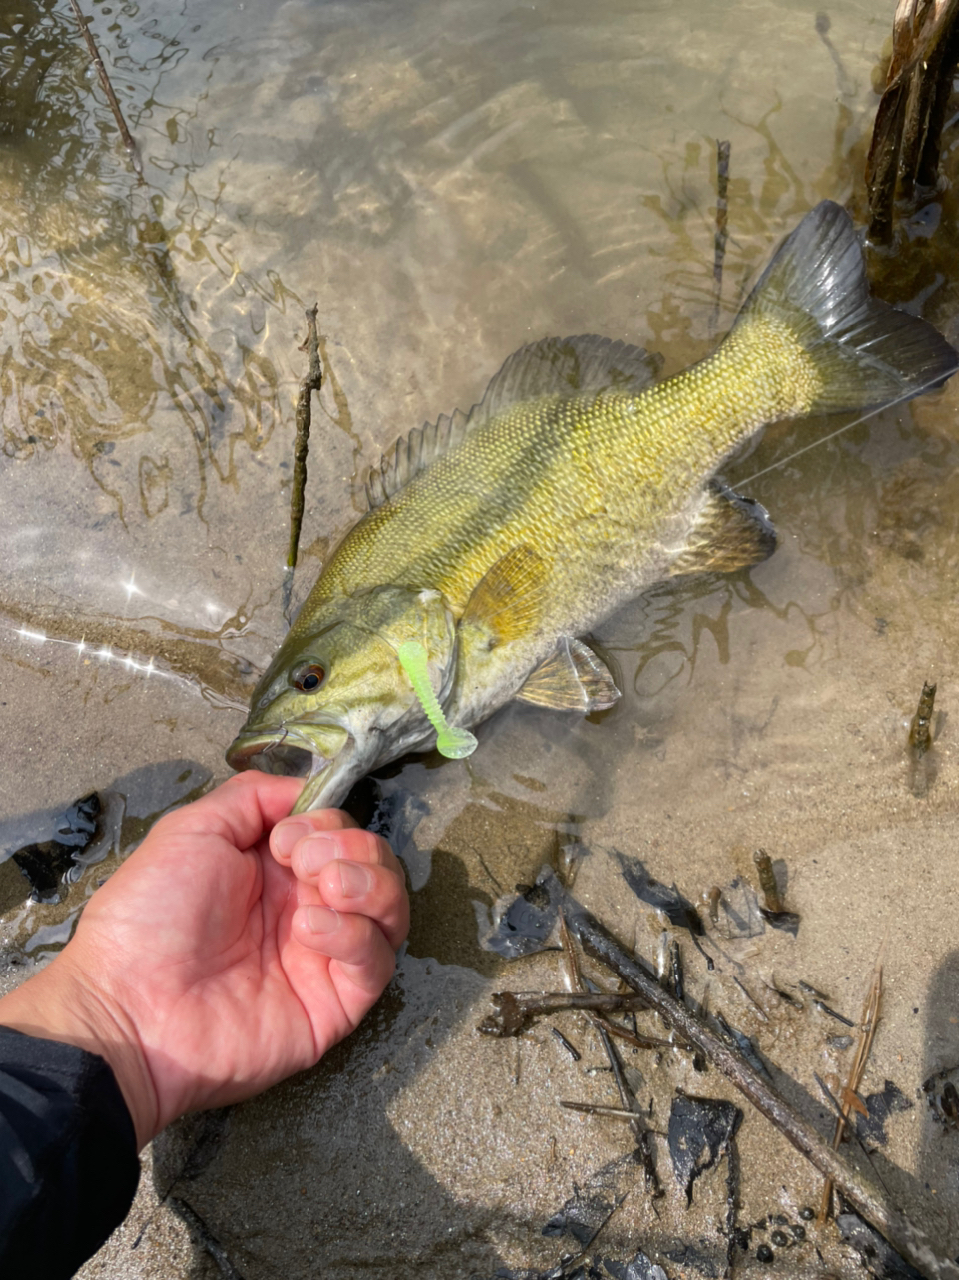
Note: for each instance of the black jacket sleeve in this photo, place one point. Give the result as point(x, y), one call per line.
point(68, 1156)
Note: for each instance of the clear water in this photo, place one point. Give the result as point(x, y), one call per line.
point(448, 181)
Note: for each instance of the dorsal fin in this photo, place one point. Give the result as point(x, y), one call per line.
point(551, 367)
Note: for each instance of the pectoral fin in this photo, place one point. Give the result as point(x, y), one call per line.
point(732, 532)
point(573, 679)
point(507, 602)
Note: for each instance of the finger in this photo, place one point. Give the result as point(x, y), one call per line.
point(312, 854)
point(241, 810)
point(290, 831)
point(372, 891)
point(358, 872)
point(363, 958)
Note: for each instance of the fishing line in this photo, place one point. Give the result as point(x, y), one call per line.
point(890, 404)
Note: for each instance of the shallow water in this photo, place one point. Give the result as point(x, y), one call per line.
point(449, 181)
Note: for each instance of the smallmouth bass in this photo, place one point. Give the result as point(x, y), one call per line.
point(495, 539)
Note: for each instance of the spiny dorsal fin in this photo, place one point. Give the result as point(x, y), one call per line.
point(731, 532)
point(508, 599)
point(551, 367)
point(573, 679)
point(566, 367)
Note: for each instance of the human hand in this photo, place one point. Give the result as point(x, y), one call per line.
point(207, 969)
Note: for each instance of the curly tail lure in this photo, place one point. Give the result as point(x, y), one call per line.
point(451, 742)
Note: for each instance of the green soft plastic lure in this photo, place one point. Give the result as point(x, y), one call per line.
point(453, 743)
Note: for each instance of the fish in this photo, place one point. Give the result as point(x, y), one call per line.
point(496, 539)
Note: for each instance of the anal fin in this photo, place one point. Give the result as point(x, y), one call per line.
point(731, 532)
point(508, 600)
point(573, 679)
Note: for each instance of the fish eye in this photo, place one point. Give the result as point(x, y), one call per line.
point(309, 678)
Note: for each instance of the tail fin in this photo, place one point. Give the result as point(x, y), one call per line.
point(865, 352)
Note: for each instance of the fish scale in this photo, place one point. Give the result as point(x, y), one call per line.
point(581, 480)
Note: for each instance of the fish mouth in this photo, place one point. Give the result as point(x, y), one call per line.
point(325, 755)
point(272, 753)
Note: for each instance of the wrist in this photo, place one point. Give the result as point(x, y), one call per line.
point(60, 1004)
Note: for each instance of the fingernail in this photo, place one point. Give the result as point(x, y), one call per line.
point(316, 853)
point(354, 880)
point(321, 919)
point(285, 836)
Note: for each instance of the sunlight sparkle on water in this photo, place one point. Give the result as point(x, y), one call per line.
point(105, 654)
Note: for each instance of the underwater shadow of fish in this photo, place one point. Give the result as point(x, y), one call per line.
point(496, 538)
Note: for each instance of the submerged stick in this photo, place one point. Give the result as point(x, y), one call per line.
point(865, 1197)
point(920, 736)
point(301, 448)
point(921, 766)
point(767, 881)
point(722, 212)
point(107, 87)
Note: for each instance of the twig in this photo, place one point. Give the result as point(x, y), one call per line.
point(598, 1109)
point(301, 450)
point(627, 1098)
point(722, 211)
point(514, 1009)
point(125, 133)
point(571, 1049)
point(921, 766)
point(207, 1239)
point(761, 1012)
point(867, 1033)
point(920, 736)
point(767, 881)
point(633, 1037)
point(868, 1200)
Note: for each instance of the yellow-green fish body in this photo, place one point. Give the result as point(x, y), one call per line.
point(496, 539)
